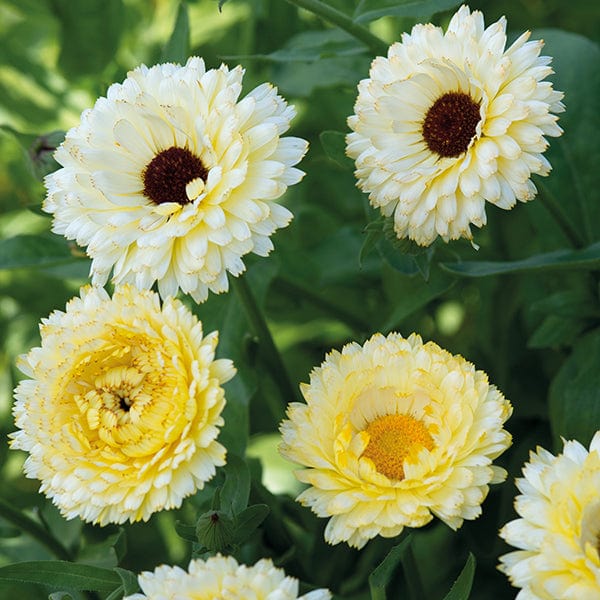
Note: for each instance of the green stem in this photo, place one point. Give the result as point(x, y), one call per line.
point(554, 208)
point(34, 529)
point(343, 21)
point(259, 327)
point(411, 573)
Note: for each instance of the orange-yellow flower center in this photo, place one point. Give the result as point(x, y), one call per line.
point(391, 439)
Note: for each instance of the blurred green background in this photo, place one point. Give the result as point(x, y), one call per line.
point(58, 56)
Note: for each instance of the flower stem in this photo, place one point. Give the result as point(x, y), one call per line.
point(336, 17)
point(260, 328)
point(411, 572)
point(34, 529)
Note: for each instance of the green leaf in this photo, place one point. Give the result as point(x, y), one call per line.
point(311, 46)
point(129, 580)
point(62, 574)
point(585, 259)
point(417, 293)
point(334, 144)
point(34, 251)
point(575, 392)
point(187, 532)
point(382, 575)
point(369, 10)
point(248, 520)
point(575, 178)
point(579, 303)
point(555, 331)
point(106, 553)
point(90, 34)
point(177, 49)
point(461, 589)
point(236, 489)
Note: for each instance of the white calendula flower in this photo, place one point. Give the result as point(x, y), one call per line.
point(224, 578)
point(122, 406)
point(172, 179)
point(449, 121)
point(558, 534)
point(392, 434)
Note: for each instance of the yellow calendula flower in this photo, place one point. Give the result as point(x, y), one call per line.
point(449, 121)
point(172, 178)
point(122, 406)
point(558, 534)
point(393, 433)
point(224, 578)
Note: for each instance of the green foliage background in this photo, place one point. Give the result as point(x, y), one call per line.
point(524, 308)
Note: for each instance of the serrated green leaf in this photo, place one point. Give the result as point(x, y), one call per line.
point(248, 520)
point(236, 489)
point(334, 144)
point(584, 259)
point(369, 10)
point(575, 393)
point(90, 34)
point(34, 251)
point(461, 589)
point(177, 49)
point(62, 574)
point(383, 573)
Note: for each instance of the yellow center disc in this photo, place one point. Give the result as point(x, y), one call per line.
point(391, 439)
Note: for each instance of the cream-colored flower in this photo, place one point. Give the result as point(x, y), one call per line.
point(170, 178)
point(122, 407)
point(223, 578)
point(393, 433)
point(450, 120)
point(558, 534)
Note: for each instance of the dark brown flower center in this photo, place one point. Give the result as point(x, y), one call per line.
point(450, 124)
point(125, 404)
point(167, 174)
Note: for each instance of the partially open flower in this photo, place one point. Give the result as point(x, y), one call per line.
point(122, 407)
point(171, 179)
point(449, 121)
point(392, 434)
point(558, 534)
point(222, 577)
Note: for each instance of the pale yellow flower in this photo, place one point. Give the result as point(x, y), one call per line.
point(558, 534)
point(122, 407)
point(223, 578)
point(171, 178)
point(449, 121)
point(392, 434)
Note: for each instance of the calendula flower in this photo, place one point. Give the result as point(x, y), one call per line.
point(122, 407)
point(171, 179)
point(392, 434)
point(449, 121)
point(558, 534)
point(224, 578)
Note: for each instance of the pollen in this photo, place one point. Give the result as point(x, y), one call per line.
point(391, 439)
